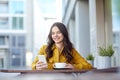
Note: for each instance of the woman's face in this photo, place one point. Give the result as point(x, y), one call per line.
point(57, 36)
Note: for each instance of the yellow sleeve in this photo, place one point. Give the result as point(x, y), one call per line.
point(41, 51)
point(79, 62)
point(34, 63)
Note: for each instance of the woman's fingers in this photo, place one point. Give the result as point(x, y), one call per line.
point(41, 65)
point(69, 66)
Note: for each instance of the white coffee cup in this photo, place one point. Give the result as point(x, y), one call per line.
point(42, 58)
point(59, 65)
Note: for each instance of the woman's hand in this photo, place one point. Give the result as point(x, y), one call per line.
point(69, 66)
point(41, 65)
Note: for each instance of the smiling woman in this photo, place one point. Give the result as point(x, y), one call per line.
point(60, 49)
point(57, 35)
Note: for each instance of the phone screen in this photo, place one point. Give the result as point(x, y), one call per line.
point(42, 58)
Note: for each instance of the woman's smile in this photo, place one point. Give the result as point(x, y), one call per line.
point(57, 36)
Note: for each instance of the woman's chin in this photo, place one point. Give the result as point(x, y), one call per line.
point(58, 42)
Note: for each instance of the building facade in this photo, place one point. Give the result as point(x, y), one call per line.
point(24, 26)
point(90, 26)
point(15, 29)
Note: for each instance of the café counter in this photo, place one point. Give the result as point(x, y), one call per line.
point(61, 74)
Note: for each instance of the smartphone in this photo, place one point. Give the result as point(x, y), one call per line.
point(42, 58)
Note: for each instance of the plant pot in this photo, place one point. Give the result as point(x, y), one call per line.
point(104, 62)
point(91, 62)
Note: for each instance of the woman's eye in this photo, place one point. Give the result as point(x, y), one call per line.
point(53, 33)
point(58, 32)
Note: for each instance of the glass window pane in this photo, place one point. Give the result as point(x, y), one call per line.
point(116, 14)
point(17, 7)
point(21, 41)
point(13, 41)
point(4, 23)
point(20, 23)
point(17, 23)
point(2, 40)
point(15, 61)
point(16, 51)
point(3, 7)
point(23, 56)
point(14, 23)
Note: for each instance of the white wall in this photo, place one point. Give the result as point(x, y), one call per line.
point(42, 24)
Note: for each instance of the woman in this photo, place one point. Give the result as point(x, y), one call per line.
point(60, 49)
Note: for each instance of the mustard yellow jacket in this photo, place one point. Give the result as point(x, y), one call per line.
point(78, 61)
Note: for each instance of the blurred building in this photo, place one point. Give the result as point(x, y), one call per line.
point(91, 24)
point(24, 26)
point(116, 42)
point(16, 27)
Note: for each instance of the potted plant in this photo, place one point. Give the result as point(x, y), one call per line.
point(90, 58)
point(106, 51)
point(104, 58)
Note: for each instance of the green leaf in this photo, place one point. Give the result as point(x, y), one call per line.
point(106, 51)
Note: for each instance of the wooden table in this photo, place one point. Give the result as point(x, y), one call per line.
point(101, 74)
point(94, 74)
point(45, 71)
point(68, 74)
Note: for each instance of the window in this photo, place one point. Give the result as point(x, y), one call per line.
point(3, 7)
point(13, 41)
point(116, 15)
point(16, 51)
point(17, 7)
point(16, 61)
point(2, 40)
point(4, 23)
point(18, 41)
point(17, 23)
point(21, 41)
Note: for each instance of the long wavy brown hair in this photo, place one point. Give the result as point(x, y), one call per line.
point(67, 51)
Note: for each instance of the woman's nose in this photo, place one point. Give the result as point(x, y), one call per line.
point(56, 34)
